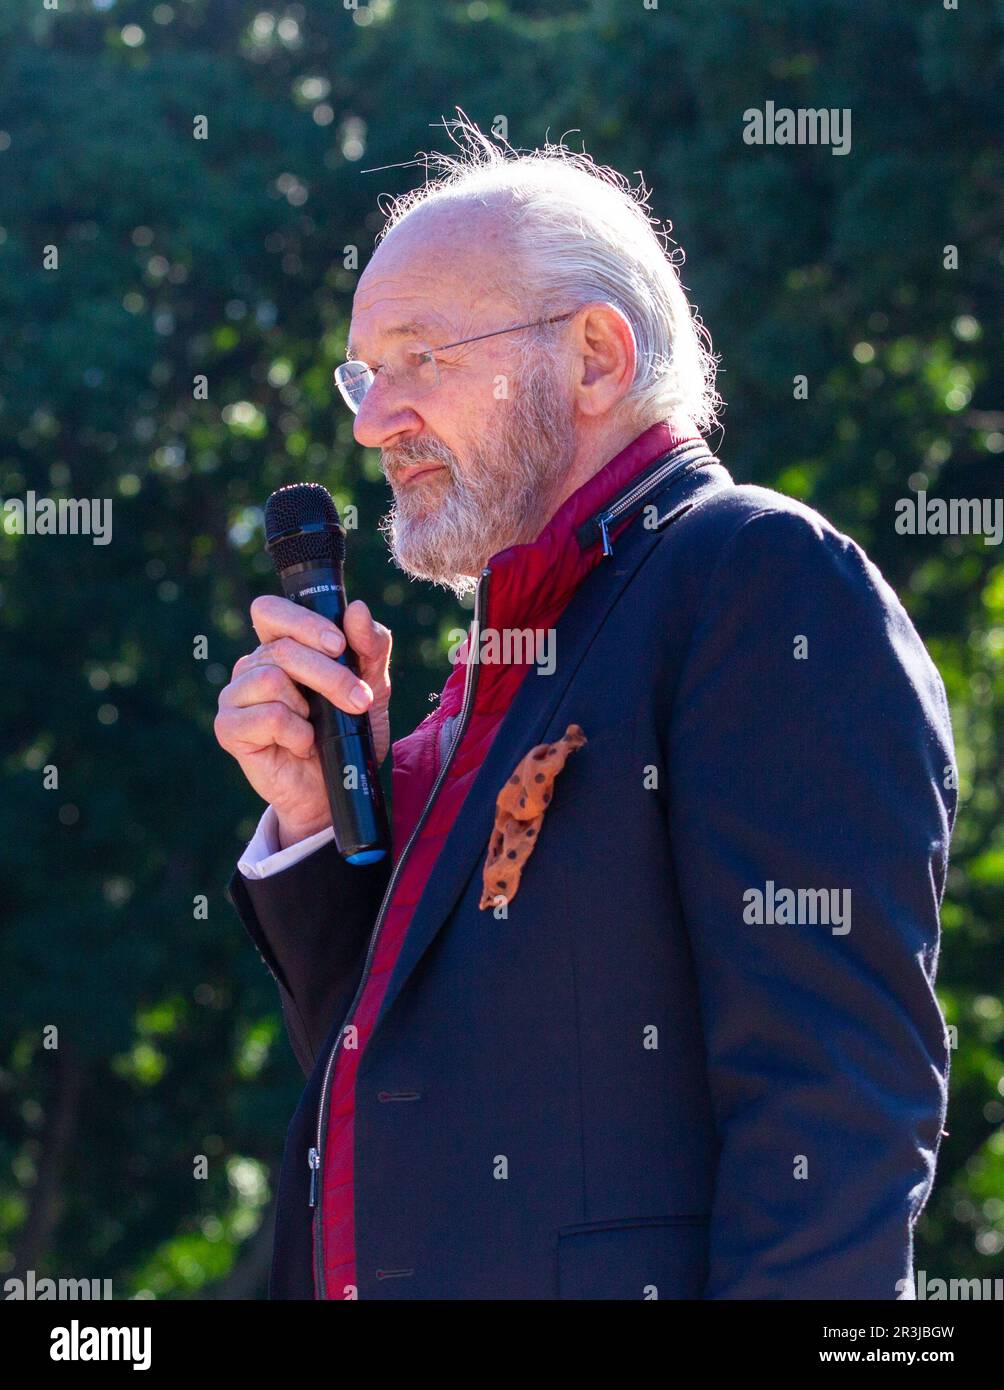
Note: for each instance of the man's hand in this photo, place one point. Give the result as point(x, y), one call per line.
point(262, 719)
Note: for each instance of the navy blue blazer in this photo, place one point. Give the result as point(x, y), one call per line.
point(678, 1068)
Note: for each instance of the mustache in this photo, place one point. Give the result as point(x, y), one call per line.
point(413, 451)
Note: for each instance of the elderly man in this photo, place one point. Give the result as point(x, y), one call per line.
point(641, 1005)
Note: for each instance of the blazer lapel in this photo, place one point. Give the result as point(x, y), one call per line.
point(530, 720)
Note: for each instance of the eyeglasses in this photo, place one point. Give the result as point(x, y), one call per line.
point(412, 367)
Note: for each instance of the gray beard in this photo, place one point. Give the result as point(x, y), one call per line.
point(446, 529)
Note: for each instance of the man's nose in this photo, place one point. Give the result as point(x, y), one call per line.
point(382, 420)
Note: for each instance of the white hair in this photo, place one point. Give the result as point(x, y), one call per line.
point(582, 233)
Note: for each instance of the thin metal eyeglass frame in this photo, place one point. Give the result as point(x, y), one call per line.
point(445, 347)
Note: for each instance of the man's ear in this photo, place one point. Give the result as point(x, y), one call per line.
point(606, 357)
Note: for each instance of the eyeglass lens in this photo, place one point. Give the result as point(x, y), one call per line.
point(410, 367)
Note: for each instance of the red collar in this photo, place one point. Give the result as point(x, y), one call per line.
point(531, 583)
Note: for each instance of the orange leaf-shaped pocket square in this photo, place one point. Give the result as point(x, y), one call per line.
point(519, 813)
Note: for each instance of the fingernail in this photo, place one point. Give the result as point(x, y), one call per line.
point(359, 699)
point(332, 642)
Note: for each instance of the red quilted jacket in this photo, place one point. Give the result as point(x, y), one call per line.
point(529, 587)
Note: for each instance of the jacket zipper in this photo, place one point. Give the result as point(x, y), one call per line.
point(681, 465)
point(315, 1153)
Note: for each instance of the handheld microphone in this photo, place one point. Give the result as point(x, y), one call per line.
point(307, 544)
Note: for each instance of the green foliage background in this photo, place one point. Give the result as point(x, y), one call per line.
point(226, 257)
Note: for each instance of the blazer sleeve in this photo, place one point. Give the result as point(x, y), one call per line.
point(810, 748)
point(311, 924)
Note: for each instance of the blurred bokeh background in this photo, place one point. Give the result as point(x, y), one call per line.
point(231, 258)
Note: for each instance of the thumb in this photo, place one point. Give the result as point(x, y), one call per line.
point(371, 642)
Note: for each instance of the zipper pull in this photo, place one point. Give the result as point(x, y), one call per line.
point(604, 522)
point(314, 1164)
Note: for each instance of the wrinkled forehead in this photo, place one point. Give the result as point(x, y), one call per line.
point(440, 271)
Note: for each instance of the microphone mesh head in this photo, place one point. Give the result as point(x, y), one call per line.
point(302, 526)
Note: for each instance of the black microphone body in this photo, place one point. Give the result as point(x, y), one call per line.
point(307, 546)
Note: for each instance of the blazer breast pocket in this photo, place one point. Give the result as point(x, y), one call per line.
point(648, 1259)
point(597, 788)
point(609, 752)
